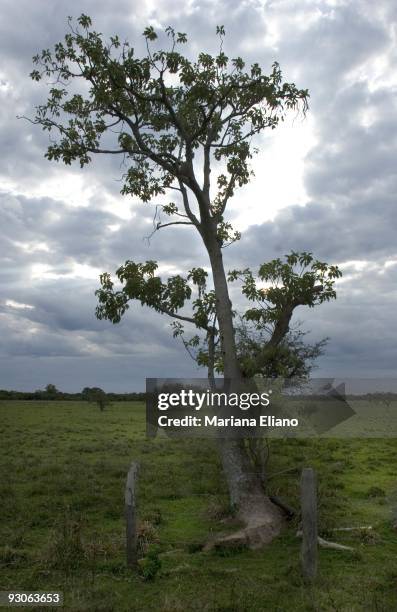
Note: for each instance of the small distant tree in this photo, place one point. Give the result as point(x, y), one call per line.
point(51, 392)
point(97, 395)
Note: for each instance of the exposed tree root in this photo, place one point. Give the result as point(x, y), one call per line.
point(262, 522)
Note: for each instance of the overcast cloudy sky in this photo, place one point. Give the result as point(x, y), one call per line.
point(326, 184)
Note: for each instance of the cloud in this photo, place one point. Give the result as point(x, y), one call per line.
point(60, 227)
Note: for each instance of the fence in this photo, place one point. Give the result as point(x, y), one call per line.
point(308, 531)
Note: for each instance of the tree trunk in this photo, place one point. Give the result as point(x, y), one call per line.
point(224, 311)
point(262, 519)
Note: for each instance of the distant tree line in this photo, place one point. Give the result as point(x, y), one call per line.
point(95, 394)
point(52, 393)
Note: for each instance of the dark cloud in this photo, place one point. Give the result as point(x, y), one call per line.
point(334, 232)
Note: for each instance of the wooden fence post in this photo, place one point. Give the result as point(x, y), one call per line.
point(131, 515)
point(309, 523)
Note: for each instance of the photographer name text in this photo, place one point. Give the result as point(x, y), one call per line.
point(221, 422)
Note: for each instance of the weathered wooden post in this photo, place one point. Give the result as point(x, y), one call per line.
point(309, 523)
point(131, 515)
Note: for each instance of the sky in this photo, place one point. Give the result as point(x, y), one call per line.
point(326, 184)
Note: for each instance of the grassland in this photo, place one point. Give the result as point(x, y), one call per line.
point(62, 475)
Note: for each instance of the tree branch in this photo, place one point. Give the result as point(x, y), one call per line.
point(174, 315)
point(186, 204)
point(282, 324)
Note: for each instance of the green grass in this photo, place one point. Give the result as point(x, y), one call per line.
point(62, 473)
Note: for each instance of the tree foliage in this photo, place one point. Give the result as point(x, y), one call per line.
point(168, 116)
point(271, 298)
point(293, 358)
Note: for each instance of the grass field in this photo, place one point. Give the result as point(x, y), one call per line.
point(62, 475)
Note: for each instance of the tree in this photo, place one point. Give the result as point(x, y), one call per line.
point(176, 123)
point(51, 391)
point(95, 394)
